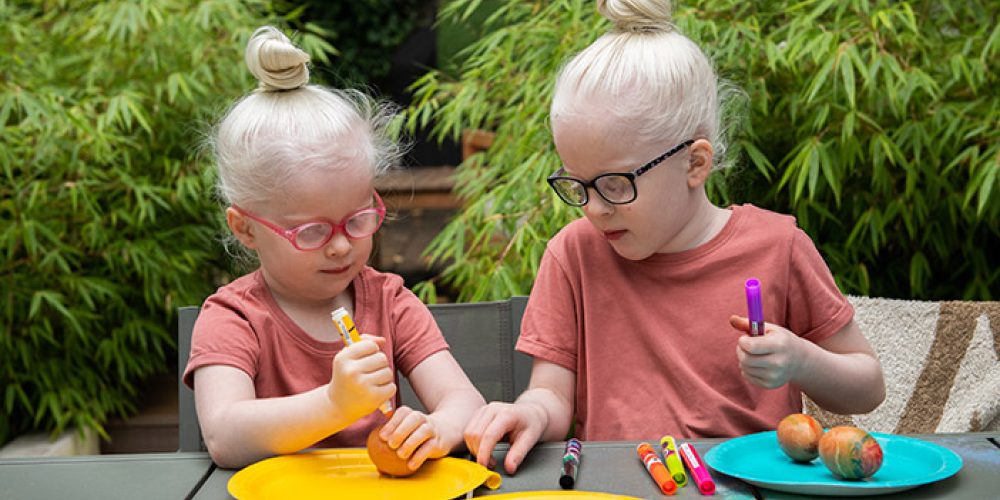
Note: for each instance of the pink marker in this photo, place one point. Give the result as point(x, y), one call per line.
point(704, 481)
point(755, 308)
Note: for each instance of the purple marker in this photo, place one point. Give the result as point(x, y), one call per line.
point(755, 308)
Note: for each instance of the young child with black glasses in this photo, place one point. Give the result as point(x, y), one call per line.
point(296, 169)
point(637, 310)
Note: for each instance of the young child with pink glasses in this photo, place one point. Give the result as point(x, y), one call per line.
point(296, 167)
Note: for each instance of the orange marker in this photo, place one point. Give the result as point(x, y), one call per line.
point(656, 468)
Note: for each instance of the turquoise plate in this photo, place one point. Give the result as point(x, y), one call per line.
point(906, 463)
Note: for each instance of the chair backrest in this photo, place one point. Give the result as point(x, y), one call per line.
point(481, 336)
point(188, 431)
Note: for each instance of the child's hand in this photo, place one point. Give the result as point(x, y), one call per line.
point(520, 422)
point(413, 435)
point(770, 360)
point(361, 379)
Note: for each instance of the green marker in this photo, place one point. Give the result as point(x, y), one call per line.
point(673, 462)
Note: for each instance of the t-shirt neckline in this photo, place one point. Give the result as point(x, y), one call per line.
point(297, 333)
point(724, 235)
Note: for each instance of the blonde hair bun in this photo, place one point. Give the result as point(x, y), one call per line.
point(275, 61)
point(638, 15)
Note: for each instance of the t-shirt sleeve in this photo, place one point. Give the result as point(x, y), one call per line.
point(550, 325)
point(222, 336)
point(816, 308)
point(416, 334)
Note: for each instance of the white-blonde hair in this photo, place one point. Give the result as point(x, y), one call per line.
point(287, 127)
point(646, 73)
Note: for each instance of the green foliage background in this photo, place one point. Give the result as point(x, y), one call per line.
point(107, 222)
point(874, 122)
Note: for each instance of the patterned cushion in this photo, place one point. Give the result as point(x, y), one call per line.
point(941, 362)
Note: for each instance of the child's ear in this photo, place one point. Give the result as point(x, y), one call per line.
point(241, 227)
point(699, 163)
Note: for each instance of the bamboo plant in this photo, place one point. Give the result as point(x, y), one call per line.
point(107, 218)
point(874, 123)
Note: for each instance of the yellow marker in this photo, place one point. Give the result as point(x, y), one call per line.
point(673, 461)
point(349, 333)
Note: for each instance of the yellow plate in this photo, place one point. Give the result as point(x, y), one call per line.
point(531, 495)
point(349, 473)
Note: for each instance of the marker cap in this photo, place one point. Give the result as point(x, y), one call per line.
point(755, 308)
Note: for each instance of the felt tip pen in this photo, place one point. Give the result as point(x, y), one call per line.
point(349, 333)
point(698, 471)
point(669, 448)
point(755, 308)
point(656, 469)
point(570, 464)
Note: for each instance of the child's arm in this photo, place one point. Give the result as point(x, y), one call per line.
point(239, 428)
point(841, 373)
point(450, 398)
point(542, 412)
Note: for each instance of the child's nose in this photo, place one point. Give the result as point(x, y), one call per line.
point(339, 244)
point(597, 205)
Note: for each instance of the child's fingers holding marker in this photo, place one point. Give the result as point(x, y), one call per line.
point(367, 346)
point(773, 359)
point(757, 346)
point(370, 363)
point(740, 323)
point(379, 341)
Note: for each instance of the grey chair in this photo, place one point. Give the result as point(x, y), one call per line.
point(188, 431)
point(481, 336)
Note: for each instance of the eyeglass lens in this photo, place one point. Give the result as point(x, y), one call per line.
point(315, 235)
point(614, 188)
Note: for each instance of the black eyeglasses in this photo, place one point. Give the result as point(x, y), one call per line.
point(616, 188)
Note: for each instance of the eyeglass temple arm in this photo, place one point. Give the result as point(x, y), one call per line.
point(659, 159)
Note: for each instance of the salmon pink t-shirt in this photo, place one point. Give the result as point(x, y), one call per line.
point(242, 326)
point(650, 341)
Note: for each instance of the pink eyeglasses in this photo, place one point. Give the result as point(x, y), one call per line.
point(316, 234)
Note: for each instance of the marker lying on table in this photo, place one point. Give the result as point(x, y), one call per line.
point(656, 469)
point(755, 308)
point(704, 481)
point(349, 333)
point(673, 461)
point(570, 464)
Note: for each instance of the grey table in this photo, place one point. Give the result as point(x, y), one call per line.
point(613, 467)
point(149, 476)
point(610, 467)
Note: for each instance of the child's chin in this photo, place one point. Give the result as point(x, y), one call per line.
point(629, 252)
